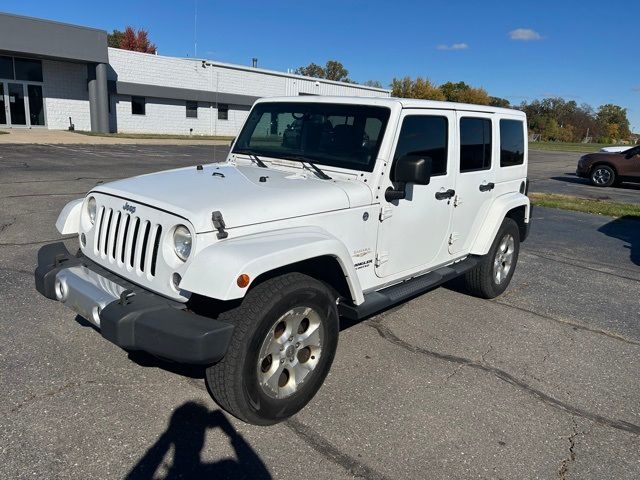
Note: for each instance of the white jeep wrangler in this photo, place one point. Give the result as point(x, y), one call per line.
point(325, 207)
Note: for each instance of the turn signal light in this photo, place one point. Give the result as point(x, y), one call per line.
point(243, 280)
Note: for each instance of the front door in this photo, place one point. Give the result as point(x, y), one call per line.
point(413, 232)
point(476, 176)
point(3, 106)
point(36, 105)
point(17, 105)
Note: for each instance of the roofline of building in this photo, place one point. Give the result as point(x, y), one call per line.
point(55, 22)
point(262, 70)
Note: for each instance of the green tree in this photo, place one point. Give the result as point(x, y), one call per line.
point(463, 93)
point(499, 102)
point(373, 83)
point(421, 88)
point(613, 121)
point(114, 39)
point(333, 70)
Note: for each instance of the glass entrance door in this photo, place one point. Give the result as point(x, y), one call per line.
point(3, 107)
point(36, 105)
point(17, 105)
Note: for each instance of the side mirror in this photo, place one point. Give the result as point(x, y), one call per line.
point(413, 169)
point(409, 169)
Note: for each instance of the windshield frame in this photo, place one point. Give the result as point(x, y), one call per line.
point(382, 113)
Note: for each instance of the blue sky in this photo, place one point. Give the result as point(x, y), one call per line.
point(581, 50)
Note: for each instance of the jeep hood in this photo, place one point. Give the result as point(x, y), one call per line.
point(238, 193)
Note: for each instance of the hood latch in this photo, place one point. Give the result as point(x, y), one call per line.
point(218, 224)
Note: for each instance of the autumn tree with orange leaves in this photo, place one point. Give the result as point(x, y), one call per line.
point(131, 39)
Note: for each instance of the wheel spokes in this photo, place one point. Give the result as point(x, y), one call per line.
point(290, 351)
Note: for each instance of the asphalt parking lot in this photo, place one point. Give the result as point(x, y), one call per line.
point(539, 383)
point(554, 172)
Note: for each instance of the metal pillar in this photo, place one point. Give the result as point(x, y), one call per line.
point(98, 97)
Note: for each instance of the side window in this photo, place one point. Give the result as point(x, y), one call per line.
point(223, 111)
point(138, 105)
point(192, 109)
point(427, 136)
point(475, 144)
point(511, 143)
point(28, 69)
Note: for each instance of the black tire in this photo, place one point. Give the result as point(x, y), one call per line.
point(481, 281)
point(603, 176)
point(234, 383)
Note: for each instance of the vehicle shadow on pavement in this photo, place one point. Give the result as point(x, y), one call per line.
point(186, 435)
point(627, 229)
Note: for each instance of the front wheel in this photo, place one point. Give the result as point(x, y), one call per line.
point(492, 275)
point(284, 341)
point(603, 176)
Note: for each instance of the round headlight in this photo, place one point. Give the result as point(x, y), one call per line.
point(182, 242)
point(92, 209)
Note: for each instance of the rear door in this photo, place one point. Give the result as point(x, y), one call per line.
point(475, 182)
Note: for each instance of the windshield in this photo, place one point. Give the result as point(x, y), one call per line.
point(347, 136)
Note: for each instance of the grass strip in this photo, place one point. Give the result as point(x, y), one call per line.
point(568, 147)
point(586, 205)
point(155, 136)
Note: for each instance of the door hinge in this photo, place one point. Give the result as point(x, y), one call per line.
point(385, 213)
point(381, 257)
point(454, 237)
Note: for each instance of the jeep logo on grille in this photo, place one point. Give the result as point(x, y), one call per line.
point(129, 208)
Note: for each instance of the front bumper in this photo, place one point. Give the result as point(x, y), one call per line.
point(582, 171)
point(127, 315)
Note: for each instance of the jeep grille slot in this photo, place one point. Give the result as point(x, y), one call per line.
point(145, 241)
point(123, 242)
point(134, 239)
point(156, 245)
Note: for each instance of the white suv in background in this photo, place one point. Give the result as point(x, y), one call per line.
point(325, 207)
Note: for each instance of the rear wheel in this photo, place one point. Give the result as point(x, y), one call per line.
point(285, 338)
point(603, 176)
point(492, 275)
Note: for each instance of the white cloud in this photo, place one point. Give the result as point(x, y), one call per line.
point(455, 46)
point(524, 34)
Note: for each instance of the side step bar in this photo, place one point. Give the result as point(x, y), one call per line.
point(381, 299)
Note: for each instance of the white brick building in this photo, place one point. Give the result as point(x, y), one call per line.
point(53, 75)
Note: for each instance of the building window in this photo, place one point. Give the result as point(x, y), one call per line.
point(475, 144)
point(426, 136)
point(28, 69)
point(138, 105)
point(6, 67)
point(223, 112)
point(192, 109)
point(511, 143)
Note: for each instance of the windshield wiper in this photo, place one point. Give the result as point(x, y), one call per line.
point(253, 157)
point(304, 161)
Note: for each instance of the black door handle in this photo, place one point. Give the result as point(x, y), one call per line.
point(487, 187)
point(445, 195)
